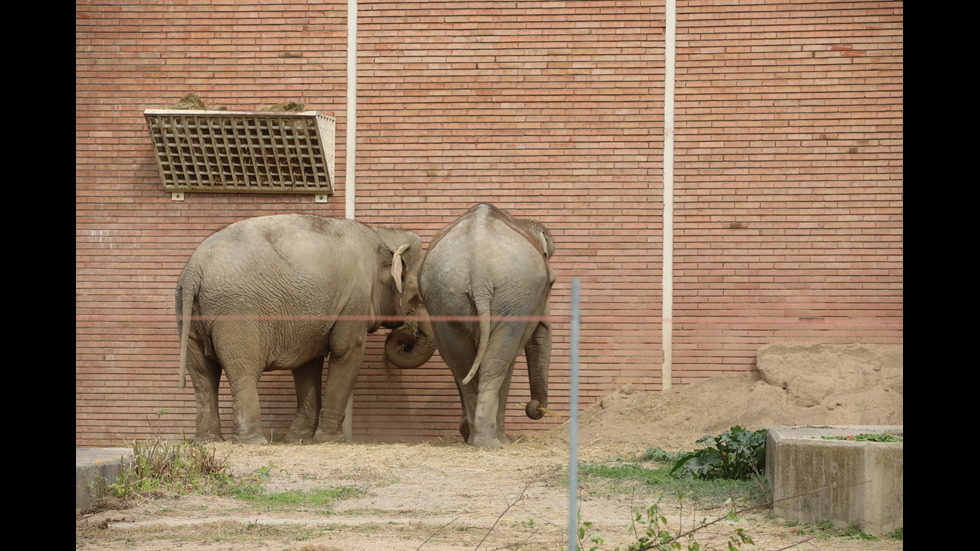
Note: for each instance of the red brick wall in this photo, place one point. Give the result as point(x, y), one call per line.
point(788, 180)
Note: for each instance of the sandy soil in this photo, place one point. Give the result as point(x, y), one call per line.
point(447, 496)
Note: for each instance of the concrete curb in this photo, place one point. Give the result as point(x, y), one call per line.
point(93, 464)
point(847, 482)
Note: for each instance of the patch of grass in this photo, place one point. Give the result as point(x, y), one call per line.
point(631, 478)
point(180, 468)
point(315, 498)
point(244, 534)
point(865, 437)
point(826, 529)
point(177, 467)
point(655, 472)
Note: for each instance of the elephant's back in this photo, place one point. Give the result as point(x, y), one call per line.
point(287, 257)
point(482, 251)
point(290, 237)
point(251, 232)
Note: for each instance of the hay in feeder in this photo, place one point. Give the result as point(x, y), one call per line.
point(285, 106)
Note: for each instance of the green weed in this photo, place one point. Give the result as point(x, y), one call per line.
point(650, 529)
point(172, 466)
point(730, 472)
point(826, 529)
point(737, 454)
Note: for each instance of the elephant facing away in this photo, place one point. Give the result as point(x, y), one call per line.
point(485, 268)
point(284, 292)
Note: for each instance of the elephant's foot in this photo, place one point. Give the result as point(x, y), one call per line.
point(299, 438)
point(254, 440)
point(324, 436)
point(300, 433)
point(485, 442)
point(208, 437)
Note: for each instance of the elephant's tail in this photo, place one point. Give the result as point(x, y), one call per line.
point(482, 303)
point(186, 291)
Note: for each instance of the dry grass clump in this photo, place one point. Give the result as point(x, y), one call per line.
point(194, 101)
point(285, 106)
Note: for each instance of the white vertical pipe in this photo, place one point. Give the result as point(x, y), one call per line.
point(350, 158)
point(668, 252)
point(573, 423)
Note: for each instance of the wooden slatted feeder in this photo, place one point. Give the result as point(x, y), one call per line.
point(244, 151)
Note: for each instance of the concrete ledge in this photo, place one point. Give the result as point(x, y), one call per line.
point(852, 484)
point(91, 464)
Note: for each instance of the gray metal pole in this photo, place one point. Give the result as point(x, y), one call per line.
point(573, 425)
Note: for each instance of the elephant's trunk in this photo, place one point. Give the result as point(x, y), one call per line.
point(533, 409)
point(538, 352)
point(409, 347)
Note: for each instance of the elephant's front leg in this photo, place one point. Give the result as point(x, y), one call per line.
point(308, 378)
point(347, 341)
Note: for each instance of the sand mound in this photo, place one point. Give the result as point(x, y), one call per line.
point(795, 385)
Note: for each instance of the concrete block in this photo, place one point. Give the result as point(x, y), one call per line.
point(95, 467)
point(852, 484)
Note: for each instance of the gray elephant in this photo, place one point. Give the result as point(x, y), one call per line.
point(284, 292)
point(484, 268)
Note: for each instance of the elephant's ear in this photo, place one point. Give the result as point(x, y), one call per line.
point(396, 266)
point(543, 242)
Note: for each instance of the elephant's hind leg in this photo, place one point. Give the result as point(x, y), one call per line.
point(246, 413)
point(242, 356)
point(484, 431)
point(308, 379)
point(205, 375)
point(503, 394)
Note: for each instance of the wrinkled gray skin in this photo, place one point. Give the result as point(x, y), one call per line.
point(283, 292)
point(485, 265)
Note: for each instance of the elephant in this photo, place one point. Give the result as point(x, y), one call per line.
point(285, 292)
point(478, 271)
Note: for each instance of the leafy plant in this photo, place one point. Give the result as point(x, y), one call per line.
point(737, 454)
point(660, 455)
point(595, 538)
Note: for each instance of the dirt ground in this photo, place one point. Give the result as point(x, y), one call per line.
point(447, 496)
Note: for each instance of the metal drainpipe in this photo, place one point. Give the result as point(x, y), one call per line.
point(668, 252)
point(351, 140)
point(350, 158)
